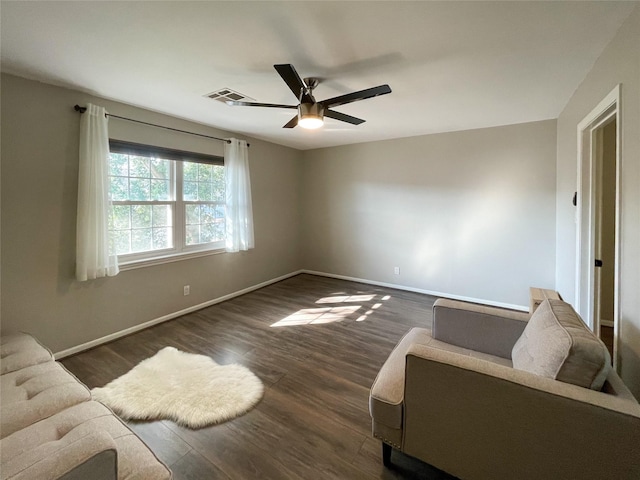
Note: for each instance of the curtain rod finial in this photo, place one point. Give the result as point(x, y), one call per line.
point(80, 109)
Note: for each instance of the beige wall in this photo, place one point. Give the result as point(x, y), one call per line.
point(618, 64)
point(466, 214)
point(39, 190)
point(469, 214)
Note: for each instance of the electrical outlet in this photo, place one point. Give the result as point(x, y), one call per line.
point(396, 270)
point(187, 290)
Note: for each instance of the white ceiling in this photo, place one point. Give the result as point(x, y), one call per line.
point(451, 65)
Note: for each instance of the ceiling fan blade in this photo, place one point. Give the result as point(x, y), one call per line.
point(254, 104)
point(292, 123)
point(343, 117)
point(293, 80)
point(355, 96)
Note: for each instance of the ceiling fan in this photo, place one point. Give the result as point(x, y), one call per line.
point(311, 112)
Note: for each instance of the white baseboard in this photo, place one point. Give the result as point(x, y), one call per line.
point(420, 290)
point(606, 323)
point(164, 318)
point(128, 331)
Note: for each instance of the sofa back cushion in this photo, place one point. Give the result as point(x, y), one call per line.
point(557, 344)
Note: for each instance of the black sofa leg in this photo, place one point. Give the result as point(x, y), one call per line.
point(386, 454)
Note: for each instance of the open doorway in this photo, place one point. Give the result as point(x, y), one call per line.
point(605, 237)
point(598, 221)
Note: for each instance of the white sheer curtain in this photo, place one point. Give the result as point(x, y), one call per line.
point(239, 212)
point(93, 259)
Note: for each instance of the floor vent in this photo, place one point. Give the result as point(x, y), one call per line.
point(226, 94)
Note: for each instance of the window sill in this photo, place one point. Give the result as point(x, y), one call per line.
point(175, 257)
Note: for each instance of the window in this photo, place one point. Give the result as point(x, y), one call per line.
point(164, 202)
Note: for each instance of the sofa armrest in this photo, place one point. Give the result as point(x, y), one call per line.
point(479, 420)
point(482, 328)
point(92, 456)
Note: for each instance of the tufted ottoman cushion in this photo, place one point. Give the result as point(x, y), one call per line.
point(88, 432)
point(20, 350)
point(35, 393)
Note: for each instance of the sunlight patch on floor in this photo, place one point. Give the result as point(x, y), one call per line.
point(346, 298)
point(369, 312)
point(314, 316)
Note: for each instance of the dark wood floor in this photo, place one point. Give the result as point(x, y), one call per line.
point(313, 422)
point(606, 335)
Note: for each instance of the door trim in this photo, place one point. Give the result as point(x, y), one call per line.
point(608, 108)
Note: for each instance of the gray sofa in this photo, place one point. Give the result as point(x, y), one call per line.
point(490, 394)
point(51, 429)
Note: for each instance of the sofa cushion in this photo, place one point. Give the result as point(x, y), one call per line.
point(387, 392)
point(557, 344)
point(35, 393)
point(20, 350)
point(25, 449)
point(480, 328)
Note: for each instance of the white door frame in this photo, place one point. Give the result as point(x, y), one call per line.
point(603, 113)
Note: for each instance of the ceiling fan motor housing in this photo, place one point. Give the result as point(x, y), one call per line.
point(310, 115)
point(310, 110)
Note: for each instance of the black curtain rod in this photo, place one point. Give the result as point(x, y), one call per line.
point(80, 109)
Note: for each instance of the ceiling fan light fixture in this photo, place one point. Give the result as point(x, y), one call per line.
point(310, 115)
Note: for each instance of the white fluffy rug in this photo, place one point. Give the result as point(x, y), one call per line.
point(189, 389)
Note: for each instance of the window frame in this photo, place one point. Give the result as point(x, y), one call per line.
point(180, 249)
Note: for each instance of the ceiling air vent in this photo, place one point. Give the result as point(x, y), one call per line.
point(226, 94)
